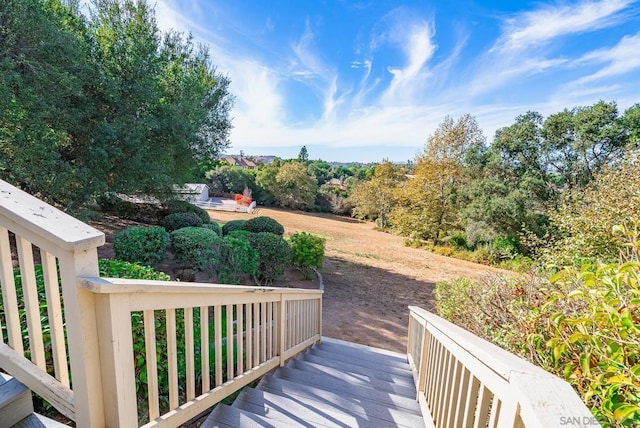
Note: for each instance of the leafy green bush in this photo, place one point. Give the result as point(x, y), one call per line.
point(307, 252)
point(264, 224)
point(458, 241)
point(274, 255)
point(121, 269)
point(233, 225)
point(173, 207)
point(237, 259)
point(213, 226)
point(141, 244)
point(195, 246)
point(505, 248)
point(180, 220)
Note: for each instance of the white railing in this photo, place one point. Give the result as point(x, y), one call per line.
point(105, 335)
point(250, 331)
point(465, 381)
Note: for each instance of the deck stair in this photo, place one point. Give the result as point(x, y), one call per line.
point(333, 384)
point(16, 406)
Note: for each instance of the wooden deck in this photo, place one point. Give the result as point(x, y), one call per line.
point(332, 384)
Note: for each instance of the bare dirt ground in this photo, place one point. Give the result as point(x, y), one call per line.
point(369, 276)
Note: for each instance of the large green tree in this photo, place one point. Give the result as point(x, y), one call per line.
point(105, 103)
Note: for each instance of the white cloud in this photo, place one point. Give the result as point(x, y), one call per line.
point(622, 58)
point(539, 26)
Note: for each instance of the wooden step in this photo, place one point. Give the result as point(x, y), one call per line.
point(310, 395)
point(295, 409)
point(402, 377)
point(372, 394)
point(329, 374)
point(360, 351)
point(38, 421)
point(393, 366)
point(15, 401)
point(227, 416)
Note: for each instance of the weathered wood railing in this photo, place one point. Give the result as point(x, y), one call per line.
point(465, 381)
point(84, 363)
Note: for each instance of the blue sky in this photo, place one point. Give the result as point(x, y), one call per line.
point(367, 80)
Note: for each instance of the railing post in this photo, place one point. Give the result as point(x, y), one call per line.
point(282, 328)
point(82, 334)
point(116, 347)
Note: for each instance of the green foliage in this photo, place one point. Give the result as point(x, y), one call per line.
point(458, 241)
point(180, 220)
point(264, 224)
point(307, 252)
point(121, 269)
point(593, 339)
point(230, 179)
point(584, 218)
point(274, 256)
point(373, 199)
point(213, 226)
point(232, 225)
point(243, 234)
point(294, 187)
point(177, 206)
point(90, 103)
point(237, 259)
point(195, 247)
point(141, 244)
point(505, 248)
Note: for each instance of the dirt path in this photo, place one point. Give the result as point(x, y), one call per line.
point(370, 277)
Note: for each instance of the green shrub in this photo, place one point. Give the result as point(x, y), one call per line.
point(264, 224)
point(111, 203)
point(121, 269)
point(173, 207)
point(458, 241)
point(213, 226)
point(242, 234)
point(505, 248)
point(233, 225)
point(194, 247)
point(274, 255)
point(180, 220)
point(237, 260)
point(141, 244)
point(307, 252)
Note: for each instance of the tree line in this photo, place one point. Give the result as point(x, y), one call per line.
point(104, 101)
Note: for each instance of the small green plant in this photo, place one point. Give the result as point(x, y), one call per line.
point(180, 220)
point(141, 244)
point(307, 252)
point(274, 255)
point(232, 225)
point(458, 241)
point(173, 207)
point(213, 226)
point(264, 224)
point(194, 247)
point(237, 260)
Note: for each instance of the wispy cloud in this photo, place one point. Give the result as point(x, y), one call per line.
point(530, 29)
point(622, 58)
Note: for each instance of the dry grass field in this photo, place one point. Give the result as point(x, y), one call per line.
point(369, 276)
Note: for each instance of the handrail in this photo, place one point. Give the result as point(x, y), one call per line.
point(250, 331)
point(462, 379)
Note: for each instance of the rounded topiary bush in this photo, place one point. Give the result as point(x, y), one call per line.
point(213, 226)
point(232, 225)
point(264, 224)
point(141, 244)
point(237, 260)
point(307, 252)
point(173, 207)
point(179, 220)
point(195, 246)
point(274, 255)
